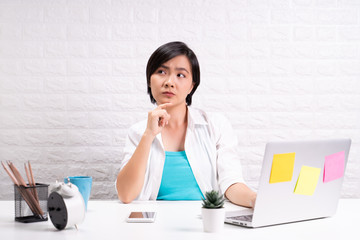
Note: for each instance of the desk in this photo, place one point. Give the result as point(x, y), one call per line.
point(177, 220)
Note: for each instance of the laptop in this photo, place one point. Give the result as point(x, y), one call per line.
point(300, 180)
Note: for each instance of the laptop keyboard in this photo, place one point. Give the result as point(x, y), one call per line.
point(247, 218)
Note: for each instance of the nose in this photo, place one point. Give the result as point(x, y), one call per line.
point(169, 82)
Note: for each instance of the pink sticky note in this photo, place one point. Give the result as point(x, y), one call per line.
point(334, 166)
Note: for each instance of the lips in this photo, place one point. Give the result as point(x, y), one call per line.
point(169, 94)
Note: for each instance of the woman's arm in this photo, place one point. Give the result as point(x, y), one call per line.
point(229, 167)
point(130, 179)
point(240, 194)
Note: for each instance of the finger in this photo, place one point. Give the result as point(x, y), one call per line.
point(164, 120)
point(156, 113)
point(165, 117)
point(162, 123)
point(164, 105)
point(160, 113)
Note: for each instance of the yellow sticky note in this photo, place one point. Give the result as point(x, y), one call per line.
point(307, 181)
point(282, 167)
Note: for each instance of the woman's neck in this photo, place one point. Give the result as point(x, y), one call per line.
point(178, 116)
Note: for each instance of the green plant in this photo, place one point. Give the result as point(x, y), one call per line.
point(213, 199)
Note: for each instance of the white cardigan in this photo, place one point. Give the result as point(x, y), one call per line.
point(210, 146)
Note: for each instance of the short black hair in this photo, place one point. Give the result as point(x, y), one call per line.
point(166, 52)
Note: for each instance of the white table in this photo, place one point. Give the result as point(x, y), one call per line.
point(177, 220)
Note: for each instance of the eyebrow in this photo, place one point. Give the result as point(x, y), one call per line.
point(181, 69)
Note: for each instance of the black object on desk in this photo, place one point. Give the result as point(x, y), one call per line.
point(57, 210)
point(22, 211)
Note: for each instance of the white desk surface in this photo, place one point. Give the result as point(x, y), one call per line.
point(177, 220)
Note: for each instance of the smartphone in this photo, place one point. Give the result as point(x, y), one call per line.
point(141, 217)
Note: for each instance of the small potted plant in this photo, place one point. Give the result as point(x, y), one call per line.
point(213, 211)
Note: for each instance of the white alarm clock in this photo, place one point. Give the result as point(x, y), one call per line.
point(66, 205)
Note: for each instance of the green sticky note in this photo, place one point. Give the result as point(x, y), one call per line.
point(307, 181)
point(282, 167)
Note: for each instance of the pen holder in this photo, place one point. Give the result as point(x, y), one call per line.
point(28, 200)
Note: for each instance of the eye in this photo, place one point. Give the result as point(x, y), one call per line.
point(181, 75)
point(160, 71)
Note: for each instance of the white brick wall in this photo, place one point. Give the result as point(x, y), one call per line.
point(72, 77)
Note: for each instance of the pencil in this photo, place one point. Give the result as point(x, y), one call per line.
point(28, 197)
point(10, 174)
point(23, 194)
point(17, 174)
point(27, 175)
point(33, 182)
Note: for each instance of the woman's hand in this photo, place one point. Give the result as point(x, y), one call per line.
point(242, 195)
point(157, 119)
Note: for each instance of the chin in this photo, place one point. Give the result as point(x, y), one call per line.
point(162, 102)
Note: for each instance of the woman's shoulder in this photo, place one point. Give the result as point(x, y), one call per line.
point(207, 117)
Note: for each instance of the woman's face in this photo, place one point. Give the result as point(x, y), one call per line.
point(172, 81)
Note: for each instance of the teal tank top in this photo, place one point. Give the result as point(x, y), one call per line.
point(178, 181)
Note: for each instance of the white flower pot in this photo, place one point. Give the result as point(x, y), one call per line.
point(213, 219)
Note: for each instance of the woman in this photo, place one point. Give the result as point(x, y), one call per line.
point(179, 152)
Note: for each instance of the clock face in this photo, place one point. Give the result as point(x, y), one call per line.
point(57, 210)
